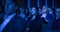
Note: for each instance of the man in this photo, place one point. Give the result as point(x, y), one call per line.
point(56, 24)
point(49, 17)
point(34, 22)
point(22, 13)
point(12, 22)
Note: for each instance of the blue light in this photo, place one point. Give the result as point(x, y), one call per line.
point(38, 2)
point(28, 3)
point(52, 3)
point(46, 2)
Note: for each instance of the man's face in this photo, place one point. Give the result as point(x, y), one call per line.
point(33, 11)
point(44, 9)
point(9, 8)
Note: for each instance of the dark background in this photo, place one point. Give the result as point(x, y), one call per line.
point(23, 3)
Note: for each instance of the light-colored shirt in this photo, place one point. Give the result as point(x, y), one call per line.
point(44, 16)
point(6, 21)
point(22, 15)
point(33, 17)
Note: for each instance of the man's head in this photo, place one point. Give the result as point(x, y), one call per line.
point(58, 13)
point(33, 11)
point(10, 7)
point(44, 9)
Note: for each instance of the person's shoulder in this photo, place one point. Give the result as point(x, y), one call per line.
point(20, 18)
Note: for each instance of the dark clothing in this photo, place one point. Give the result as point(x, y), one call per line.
point(36, 24)
point(16, 24)
point(56, 25)
point(51, 18)
point(1, 20)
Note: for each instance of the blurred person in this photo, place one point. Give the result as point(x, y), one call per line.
point(22, 13)
point(44, 12)
point(43, 16)
point(47, 13)
point(27, 13)
point(49, 17)
point(56, 24)
point(58, 13)
point(12, 22)
point(34, 22)
point(18, 11)
point(30, 18)
point(40, 11)
point(32, 14)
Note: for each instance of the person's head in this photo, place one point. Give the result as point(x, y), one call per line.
point(50, 10)
point(10, 7)
point(44, 9)
point(58, 13)
point(22, 10)
point(33, 11)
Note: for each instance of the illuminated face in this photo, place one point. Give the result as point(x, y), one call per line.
point(33, 11)
point(9, 7)
point(44, 9)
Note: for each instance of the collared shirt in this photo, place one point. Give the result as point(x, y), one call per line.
point(43, 15)
point(33, 17)
point(6, 21)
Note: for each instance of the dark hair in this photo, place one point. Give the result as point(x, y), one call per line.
point(18, 11)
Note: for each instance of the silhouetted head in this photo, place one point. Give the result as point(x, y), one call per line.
point(10, 7)
point(44, 9)
point(33, 11)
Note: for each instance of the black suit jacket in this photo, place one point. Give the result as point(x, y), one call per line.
point(56, 25)
point(36, 24)
point(16, 24)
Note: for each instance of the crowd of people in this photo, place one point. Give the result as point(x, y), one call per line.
point(33, 19)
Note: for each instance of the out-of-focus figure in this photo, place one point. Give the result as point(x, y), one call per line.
point(40, 11)
point(56, 24)
point(34, 22)
point(58, 12)
point(49, 17)
point(22, 13)
point(12, 22)
point(31, 17)
point(44, 13)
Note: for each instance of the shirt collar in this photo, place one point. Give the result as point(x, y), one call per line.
point(5, 17)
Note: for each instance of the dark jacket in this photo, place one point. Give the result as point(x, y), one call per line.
point(56, 25)
point(16, 24)
point(36, 24)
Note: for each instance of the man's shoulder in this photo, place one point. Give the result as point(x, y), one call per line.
point(18, 18)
